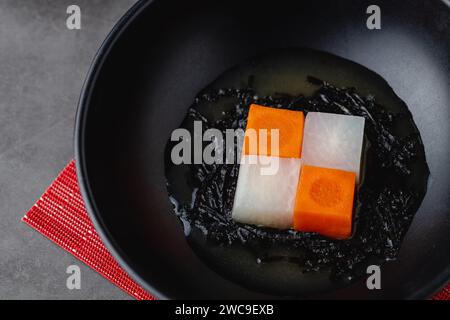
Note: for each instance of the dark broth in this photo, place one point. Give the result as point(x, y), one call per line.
point(290, 263)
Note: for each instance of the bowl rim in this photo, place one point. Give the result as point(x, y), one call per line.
point(79, 143)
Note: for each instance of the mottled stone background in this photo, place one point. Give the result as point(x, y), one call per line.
point(42, 69)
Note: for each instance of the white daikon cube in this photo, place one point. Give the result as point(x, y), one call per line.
point(265, 194)
point(333, 141)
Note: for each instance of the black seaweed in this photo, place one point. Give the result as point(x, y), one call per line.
point(385, 203)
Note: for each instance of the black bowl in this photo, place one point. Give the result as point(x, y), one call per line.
point(162, 53)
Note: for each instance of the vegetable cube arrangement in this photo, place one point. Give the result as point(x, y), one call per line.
point(315, 167)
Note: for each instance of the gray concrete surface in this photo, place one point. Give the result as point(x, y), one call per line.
point(42, 68)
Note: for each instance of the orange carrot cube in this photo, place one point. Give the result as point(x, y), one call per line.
point(324, 202)
point(290, 131)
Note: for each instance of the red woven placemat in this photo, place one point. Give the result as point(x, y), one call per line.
point(60, 215)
